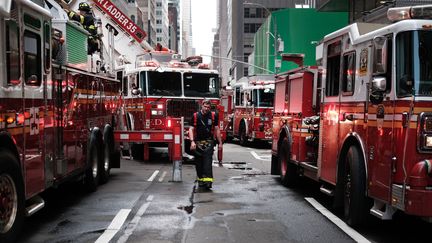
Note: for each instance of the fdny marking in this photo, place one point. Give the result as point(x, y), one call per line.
point(34, 120)
point(156, 122)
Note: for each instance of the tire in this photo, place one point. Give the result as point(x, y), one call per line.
point(288, 171)
point(354, 182)
point(242, 136)
point(94, 162)
point(275, 168)
point(12, 197)
point(108, 154)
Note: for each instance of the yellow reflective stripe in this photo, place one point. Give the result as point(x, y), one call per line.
point(205, 179)
point(92, 27)
point(81, 19)
point(71, 14)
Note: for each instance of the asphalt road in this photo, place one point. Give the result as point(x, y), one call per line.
point(140, 203)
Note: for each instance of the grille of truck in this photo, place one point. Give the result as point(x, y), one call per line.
point(185, 108)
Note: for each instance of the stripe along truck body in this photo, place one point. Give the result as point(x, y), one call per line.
point(361, 124)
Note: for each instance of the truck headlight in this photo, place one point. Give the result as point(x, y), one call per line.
point(424, 131)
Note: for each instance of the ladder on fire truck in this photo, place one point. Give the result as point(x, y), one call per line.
point(118, 28)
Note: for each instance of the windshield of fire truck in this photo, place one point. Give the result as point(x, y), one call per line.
point(201, 85)
point(414, 63)
point(164, 83)
point(263, 97)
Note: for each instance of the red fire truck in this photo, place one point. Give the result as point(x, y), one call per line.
point(252, 109)
point(159, 91)
point(58, 109)
point(365, 131)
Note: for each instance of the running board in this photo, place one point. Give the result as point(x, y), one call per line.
point(377, 211)
point(36, 204)
point(328, 192)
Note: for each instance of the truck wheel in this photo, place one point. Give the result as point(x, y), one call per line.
point(288, 173)
point(92, 177)
point(355, 202)
point(242, 136)
point(11, 197)
point(108, 150)
point(274, 165)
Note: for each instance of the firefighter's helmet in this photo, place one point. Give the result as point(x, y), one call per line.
point(83, 6)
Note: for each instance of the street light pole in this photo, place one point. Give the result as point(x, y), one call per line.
point(275, 38)
point(233, 60)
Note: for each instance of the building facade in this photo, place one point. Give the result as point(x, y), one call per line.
point(244, 18)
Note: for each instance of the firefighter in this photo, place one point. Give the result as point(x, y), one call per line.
point(85, 17)
point(202, 133)
point(159, 47)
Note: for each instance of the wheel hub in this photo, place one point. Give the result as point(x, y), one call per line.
point(8, 203)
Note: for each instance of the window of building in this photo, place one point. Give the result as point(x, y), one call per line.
point(158, 12)
point(12, 53)
point(158, 4)
point(246, 57)
point(245, 71)
point(133, 18)
point(158, 30)
point(158, 21)
point(246, 12)
point(158, 39)
point(348, 75)
point(32, 58)
point(251, 27)
point(333, 69)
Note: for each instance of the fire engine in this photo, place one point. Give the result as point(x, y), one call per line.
point(252, 109)
point(361, 124)
point(59, 107)
point(161, 91)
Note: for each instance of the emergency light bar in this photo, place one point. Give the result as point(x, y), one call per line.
point(411, 12)
point(148, 64)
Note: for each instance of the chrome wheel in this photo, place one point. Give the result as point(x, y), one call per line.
point(8, 203)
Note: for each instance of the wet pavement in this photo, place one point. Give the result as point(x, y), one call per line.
point(244, 205)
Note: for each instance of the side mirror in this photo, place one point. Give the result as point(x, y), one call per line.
point(379, 85)
point(136, 91)
point(379, 55)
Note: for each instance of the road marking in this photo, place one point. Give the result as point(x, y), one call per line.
point(337, 221)
point(114, 227)
point(134, 222)
point(162, 176)
point(153, 176)
point(254, 154)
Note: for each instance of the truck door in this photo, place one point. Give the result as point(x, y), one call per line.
point(34, 84)
point(330, 114)
point(380, 123)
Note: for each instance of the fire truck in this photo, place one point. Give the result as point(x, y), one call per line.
point(252, 109)
point(361, 123)
point(162, 91)
point(60, 107)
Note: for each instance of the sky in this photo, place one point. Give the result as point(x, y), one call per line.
point(203, 22)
